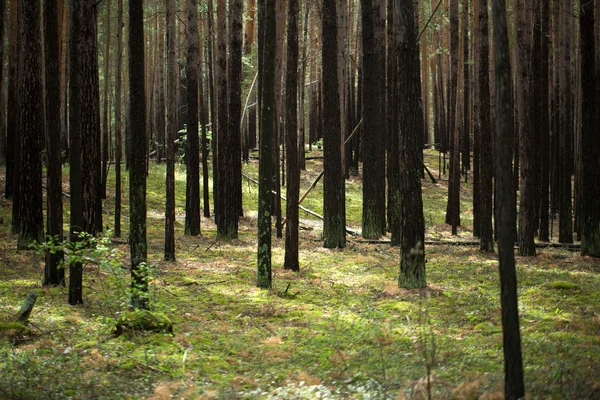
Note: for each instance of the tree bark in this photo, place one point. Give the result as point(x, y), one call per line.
point(334, 207)
point(137, 164)
point(31, 223)
point(105, 121)
point(171, 133)
point(267, 131)
point(12, 98)
point(590, 143)
point(513, 364)
point(291, 125)
point(54, 274)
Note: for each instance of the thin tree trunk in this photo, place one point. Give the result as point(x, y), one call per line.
point(171, 133)
point(203, 122)
point(105, 121)
point(118, 125)
point(54, 274)
point(513, 365)
point(137, 164)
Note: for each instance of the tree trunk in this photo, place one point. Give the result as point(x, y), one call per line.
point(412, 240)
point(137, 164)
point(159, 94)
point(192, 192)
point(513, 365)
point(590, 143)
point(203, 123)
point(291, 125)
point(527, 142)
point(118, 125)
point(12, 98)
point(2, 87)
point(267, 132)
point(334, 207)
point(31, 222)
point(233, 152)
point(486, 159)
point(373, 222)
point(171, 133)
point(54, 274)
point(105, 121)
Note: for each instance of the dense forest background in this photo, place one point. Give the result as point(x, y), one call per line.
point(372, 165)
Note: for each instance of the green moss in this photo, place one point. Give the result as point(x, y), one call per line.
point(143, 320)
point(12, 330)
point(563, 285)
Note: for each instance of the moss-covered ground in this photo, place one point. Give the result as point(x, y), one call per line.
point(340, 328)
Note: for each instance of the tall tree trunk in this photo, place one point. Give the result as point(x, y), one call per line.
point(249, 30)
point(159, 94)
point(105, 121)
point(137, 164)
point(118, 114)
point(513, 364)
point(543, 119)
point(31, 222)
point(90, 119)
point(75, 172)
point(291, 125)
point(527, 142)
point(302, 88)
point(334, 207)
point(465, 139)
point(267, 131)
point(192, 192)
point(54, 274)
point(412, 241)
point(12, 98)
point(279, 89)
point(590, 143)
point(210, 46)
point(566, 128)
point(2, 87)
point(486, 159)
point(373, 222)
point(452, 209)
point(171, 133)
point(204, 143)
point(229, 226)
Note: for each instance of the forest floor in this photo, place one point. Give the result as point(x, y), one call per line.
point(340, 328)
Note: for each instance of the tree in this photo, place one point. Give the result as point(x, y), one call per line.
point(565, 234)
point(513, 363)
point(412, 240)
point(75, 173)
point(31, 223)
point(171, 134)
point(266, 8)
point(12, 98)
point(291, 125)
point(233, 200)
point(590, 143)
point(90, 118)
point(118, 125)
point(137, 164)
point(192, 188)
point(373, 220)
point(2, 87)
point(54, 274)
point(486, 232)
point(453, 206)
point(105, 120)
point(527, 142)
point(334, 197)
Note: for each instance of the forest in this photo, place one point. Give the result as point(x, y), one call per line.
point(300, 199)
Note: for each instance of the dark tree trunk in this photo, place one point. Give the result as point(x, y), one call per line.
point(75, 182)
point(291, 125)
point(302, 89)
point(90, 119)
point(393, 134)
point(118, 124)
point(590, 140)
point(233, 205)
point(412, 241)
point(54, 274)
point(105, 120)
point(210, 45)
point(31, 222)
point(14, 128)
point(565, 234)
point(476, 109)
point(527, 143)
point(543, 119)
point(171, 133)
point(159, 96)
point(12, 120)
point(2, 87)
point(373, 221)
point(266, 8)
point(192, 187)
point(465, 137)
point(513, 364)
point(203, 122)
point(334, 207)
point(452, 209)
point(486, 160)
point(137, 164)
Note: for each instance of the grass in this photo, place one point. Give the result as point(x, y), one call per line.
point(340, 328)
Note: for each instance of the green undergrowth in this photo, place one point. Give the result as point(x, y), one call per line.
point(341, 328)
